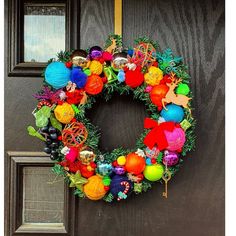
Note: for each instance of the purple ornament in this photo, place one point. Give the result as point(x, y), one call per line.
point(170, 158)
point(119, 170)
point(95, 52)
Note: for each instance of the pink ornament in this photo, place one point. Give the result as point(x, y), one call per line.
point(148, 89)
point(72, 155)
point(170, 158)
point(175, 139)
point(107, 56)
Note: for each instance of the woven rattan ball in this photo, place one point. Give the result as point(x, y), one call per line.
point(74, 135)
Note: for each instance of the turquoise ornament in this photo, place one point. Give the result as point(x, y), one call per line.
point(173, 113)
point(121, 76)
point(148, 161)
point(57, 75)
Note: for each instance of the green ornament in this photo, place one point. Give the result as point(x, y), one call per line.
point(185, 124)
point(106, 181)
point(87, 71)
point(182, 89)
point(153, 172)
point(137, 187)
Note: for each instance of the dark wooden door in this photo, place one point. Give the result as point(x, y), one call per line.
point(194, 29)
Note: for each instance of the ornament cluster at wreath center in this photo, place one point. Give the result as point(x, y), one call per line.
point(74, 80)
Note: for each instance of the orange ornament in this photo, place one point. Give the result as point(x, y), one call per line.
point(135, 164)
point(94, 85)
point(94, 189)
point(157, 93)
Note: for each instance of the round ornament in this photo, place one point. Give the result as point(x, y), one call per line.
point(94, 85)
point(72, 84)
point(175, 139)
point(183, 89)
point(153, 172)
point(94, 189)
point(74, 135)
point(153, 76)
point(157, 93)
point(173, 113)
point(135, 164)
point(96, 67)
point(64, 113)
point(134, 78)
point(170, 158)
point(57, 75)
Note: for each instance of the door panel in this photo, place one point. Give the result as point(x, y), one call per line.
point(195, 205)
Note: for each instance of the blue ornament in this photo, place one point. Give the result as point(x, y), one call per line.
point(173, 113)
point(57, 75)
point(121, 76)
point(130, 52)
point(104, 168)
point(117, 188)
point(78, 77)
point(148, 161)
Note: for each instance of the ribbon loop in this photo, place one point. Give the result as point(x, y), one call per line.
point(157, 135)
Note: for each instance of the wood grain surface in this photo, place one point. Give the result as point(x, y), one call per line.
point(195, 30)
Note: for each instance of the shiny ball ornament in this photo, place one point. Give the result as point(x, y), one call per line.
point(153, 172)
point(64, 113)
point(170, 158)
point(119, 170)
point(121, 160)
point(94, 188)
point(158, 92)
point(175, 139)
point(94, 85)
point(134, 78)
point(135, 164)
point(96, 67)
point(116, 187)
point(57, 75)
point(173, 113)
point(106, 180)
point(148, 161)
point(153, 76)
point(182, 89)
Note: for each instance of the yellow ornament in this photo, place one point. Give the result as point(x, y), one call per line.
point(94, 189)
point(153, 76)
point(96, 67)
point(121, 160)
point(64, 113)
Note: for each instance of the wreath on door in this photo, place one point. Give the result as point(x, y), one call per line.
point(74, 80)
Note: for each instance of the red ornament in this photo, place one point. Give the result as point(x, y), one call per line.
point(74, 97)
point(115, 164)
point(157, 93)
point(153, 161)
point(94, 85)
point(134, 78)
point(68, 64)
point(104, 80)
point(59, 138)
point(106, 188)
point(135, 164)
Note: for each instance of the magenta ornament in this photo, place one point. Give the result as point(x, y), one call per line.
point(175, 139)
point(170, 158)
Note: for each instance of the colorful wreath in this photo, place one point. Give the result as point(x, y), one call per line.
point(74, 80)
